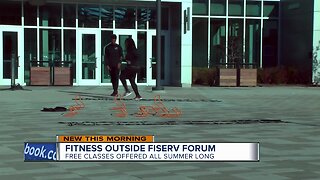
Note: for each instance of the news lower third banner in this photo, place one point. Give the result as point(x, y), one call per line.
point(105, 138)
point(36, 151)
point(158, 151)
point(136, 148)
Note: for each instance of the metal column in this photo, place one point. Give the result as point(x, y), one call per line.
point(158, 31)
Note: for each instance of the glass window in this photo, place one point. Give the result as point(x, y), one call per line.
point(10, 13)
point(143, 15)
point(218, 7)
point(236, 7)
point(69, 40)
point(105, 40)
point(164, 18)
point(200, 42)
point(9, 47)
point(142, 51)
point(200, 7)
point(217, 41)
point(270, 9)
point(106, 16)
point(50, 46)
point(88, 56)
point(125, 18)
point(253, 42)
point(69, 15)
point(270, 43)
point(153, 19)
point(235, 41)
point(50, 15)
point(30, 14)
point(122, 42)
point(88, 16)
point(30, 52)
point(154, 56)
point(253, 8)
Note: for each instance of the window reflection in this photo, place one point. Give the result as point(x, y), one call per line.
point(200, 7)
point(218, 7)
point(106, 17)
point(50, 46)
point(271, 9)
point(236, 7)
point(218, 41)
point(252, 41)
point(125, 18)
point(143, 15)
point(253, 8)
point(235, 41)
point(88, 16)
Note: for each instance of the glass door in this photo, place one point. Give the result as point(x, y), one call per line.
point(11, 56)
point(122, 35)
point(88, 57)
point(152, 58)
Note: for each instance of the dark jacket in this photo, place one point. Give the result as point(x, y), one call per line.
point(113, 53)
point(132, 57)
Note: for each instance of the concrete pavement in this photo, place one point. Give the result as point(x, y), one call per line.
point(289, 143)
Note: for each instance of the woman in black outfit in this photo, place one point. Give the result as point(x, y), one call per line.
point(131, 69)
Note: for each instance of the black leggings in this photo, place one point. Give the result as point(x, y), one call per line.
point(130, 73)
point(114, 74)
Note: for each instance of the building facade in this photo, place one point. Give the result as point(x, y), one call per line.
point(251, 28)
point(267, 34)
point(71, 35)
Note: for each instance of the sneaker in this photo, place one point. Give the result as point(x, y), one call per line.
point(137, 98)
point(114, 94)
point(126, 94)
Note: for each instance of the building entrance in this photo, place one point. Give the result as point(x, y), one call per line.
point(11, 50)
point(90, 68)
point(63, 43)
point(122, 35)
point(88, 57)
point(165, 58)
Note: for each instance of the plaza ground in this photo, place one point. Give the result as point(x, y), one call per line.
point(284, 119)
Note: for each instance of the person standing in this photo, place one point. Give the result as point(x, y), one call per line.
point(131, 69)
point(113, 57)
